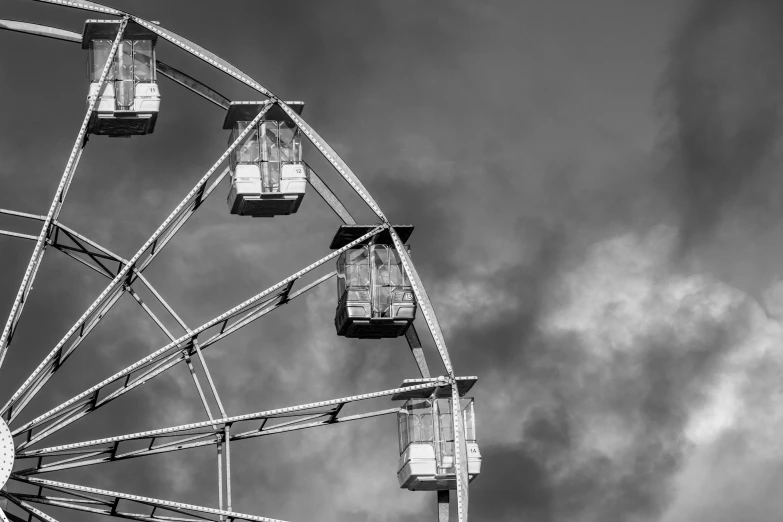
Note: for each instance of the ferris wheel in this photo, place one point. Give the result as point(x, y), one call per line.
point(266, 174)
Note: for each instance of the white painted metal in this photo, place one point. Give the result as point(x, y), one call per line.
point(54, 210)
point(148, 244)
point(460, 457)
point(6, 453)
point(238, 418)
point(181, 349)
point(30, 509)
point(87, 394)
point(60, 354)
point(84, 4)
point(164, 504)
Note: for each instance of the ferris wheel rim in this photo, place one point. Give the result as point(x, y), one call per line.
point(346, 173)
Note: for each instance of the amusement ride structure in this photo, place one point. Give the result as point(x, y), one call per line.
point(379, 296)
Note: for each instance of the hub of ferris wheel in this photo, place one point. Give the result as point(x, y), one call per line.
point(6, 453)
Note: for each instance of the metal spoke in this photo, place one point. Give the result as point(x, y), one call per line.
point(54, 210)
point(204, 55)
point(178, 217)
point(11, 517)
point(166, 70)
point(109, 505)
point(16, 234)
point(313, 136)
point(423, 301)
point(111, 454)
point(84, 4)
point(172, 360)
point(317, 183)
point(332, 157)
point(40, 30)
point(40, 515)
point(97, 253)
point(194, 434)
point(91, 394)
point(215, 431)
point(81, 245)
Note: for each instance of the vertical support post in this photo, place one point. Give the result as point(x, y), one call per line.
point(443, 505)
point(220, 477)
point(460, 455)
point(228, 467)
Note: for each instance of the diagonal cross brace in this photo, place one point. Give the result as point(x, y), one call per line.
point(121, 276)
point(187, 339)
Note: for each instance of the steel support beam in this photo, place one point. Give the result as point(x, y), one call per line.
point(145, 374)
point(336, 205)
point(108, 505)
point(107, 454)
point(163, 234)
point(328, 409)
point(186, 340)
point(85, 247)
point(168, 71)
point(338, 164)
point(323, 190)
point(54, 210)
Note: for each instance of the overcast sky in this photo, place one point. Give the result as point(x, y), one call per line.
point(595, 192)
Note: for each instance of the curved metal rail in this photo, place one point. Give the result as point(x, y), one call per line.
point(155, 364)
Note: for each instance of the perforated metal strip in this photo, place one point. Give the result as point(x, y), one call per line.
point(330, 155)
point(40, 30)
point(54, 210)
point(203, 54)
point(460, 456)
point(336, 161)
point(233, 71)
point(236, 418)
point(84, 4)
point(342, 168)
point(423, 300)
point(30, 509)
point(186, 338)
point(163, 504)
point(124, 272)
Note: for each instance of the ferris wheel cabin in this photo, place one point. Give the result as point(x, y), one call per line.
point(426, 436)
point(374, 295)
point(130, 102)
point(268, 177)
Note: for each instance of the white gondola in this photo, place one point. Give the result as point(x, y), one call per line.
point(268, 177)
point(374, 296)
point(426, 438)
point(131, 100)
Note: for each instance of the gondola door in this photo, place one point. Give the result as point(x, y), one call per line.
point(124, 87)
point(381, 288)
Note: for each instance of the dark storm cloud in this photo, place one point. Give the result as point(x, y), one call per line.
point(603, 434)
point(725, 88)
point(513, 136)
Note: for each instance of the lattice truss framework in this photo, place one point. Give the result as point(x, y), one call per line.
point(220, 430)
